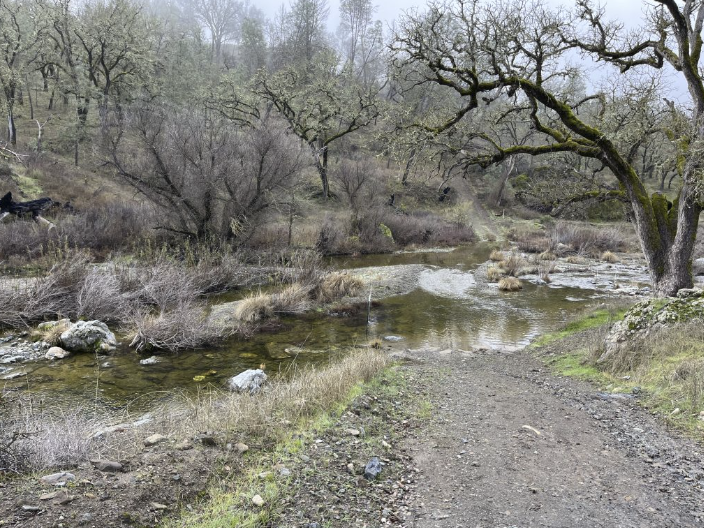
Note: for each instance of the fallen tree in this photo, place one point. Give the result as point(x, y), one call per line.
point(32, 208)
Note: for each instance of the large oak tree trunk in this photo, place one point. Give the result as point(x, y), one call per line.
point(667, 232)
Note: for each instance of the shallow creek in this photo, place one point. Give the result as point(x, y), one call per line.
point(444, 303)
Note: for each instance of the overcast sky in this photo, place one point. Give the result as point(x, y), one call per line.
point(628, 11)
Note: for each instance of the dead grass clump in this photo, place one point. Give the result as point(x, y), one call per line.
point(293, 299)
point(493, 274)
point(337, 285)
point(496, 256)
point(510, 284)
point(255, 307)
point(304, 393)
point(512, 264)
point(608, 256)
point(50, 332)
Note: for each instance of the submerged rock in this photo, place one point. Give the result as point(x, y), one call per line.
point(88, 336)
point(149, 361)
point(57, 353)
point(248, 381)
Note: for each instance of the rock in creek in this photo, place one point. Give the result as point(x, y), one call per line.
point(57, 353)
point(248, 381)
point(88, 336)
point(150, 361)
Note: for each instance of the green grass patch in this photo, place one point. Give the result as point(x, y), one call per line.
point(593, 319)
point(228, 502)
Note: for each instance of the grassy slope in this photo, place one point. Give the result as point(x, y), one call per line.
point(667, 377)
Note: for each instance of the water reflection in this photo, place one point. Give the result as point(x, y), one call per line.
point(450, 308)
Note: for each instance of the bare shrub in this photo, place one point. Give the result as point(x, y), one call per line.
point(99, 296)
point(591, 240)
point(205, 174)
point(184, 327)
point(529, 239)
point(162, 284)
point(422, 227)
point(101, 229)
point(335, 286)
point(510, 284)
point(35, 437)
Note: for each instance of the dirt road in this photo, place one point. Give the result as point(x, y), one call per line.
point(511, 445)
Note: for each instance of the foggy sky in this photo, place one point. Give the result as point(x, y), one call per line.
point(627, 11)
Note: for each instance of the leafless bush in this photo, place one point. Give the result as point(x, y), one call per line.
point(590, 240)
point(102, 229)
point(186, 326)
point(36, 437)
point(206, 175)
point(357, 179)
point(529, 240)
point(427, 228)
point(99, 296)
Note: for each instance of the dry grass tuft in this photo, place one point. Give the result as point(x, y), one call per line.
point(496, 256)
point(293, 299)
point(510, 284)
point(493, 274)
point(512, 264)
point(255, 307)
point(608, 256)
point(335, 286)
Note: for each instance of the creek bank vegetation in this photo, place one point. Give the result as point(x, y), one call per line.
point(248, 443)
point(166, 305)
point(650, 352)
